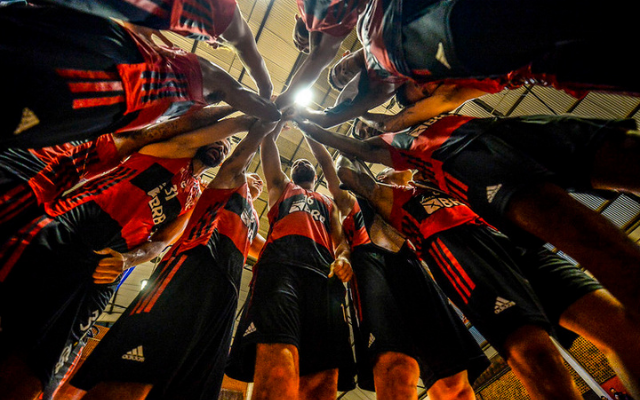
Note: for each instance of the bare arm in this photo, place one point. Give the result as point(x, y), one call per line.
point(272, 167)
point(341, 267)
point(115, 263)
point(362, 184)
point(343, 199)
point(232, 171)
point(323, 49)
point(240, 37)
point(370, 150)
point(445, 98)
point(256, 246)
point(218, 85)
point(129, 142)
point(186, 145)
point(375, 93)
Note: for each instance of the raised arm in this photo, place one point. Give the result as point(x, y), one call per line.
point(343, 199)
point(341, 267)
point(370, 94)
point(445, 98)
point(369, 150)
point(129, 142)
point(240, 37)
point(186, 145)
point(323, 48)
point(379, 195)
point(232, 171)
point(219, 85)
point(272, 167)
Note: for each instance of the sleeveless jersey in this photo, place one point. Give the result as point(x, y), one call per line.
point(423, 211)
point(426, 146)
point(354, 227)
point(300, 230)
point(333, 17)
point(78, 164)
point(225, 221)
point(141, 195)
point(197, 19)
point(161, 87)
point(227, 212)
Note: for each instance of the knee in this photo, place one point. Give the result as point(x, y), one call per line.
point(398, 368)
point(455, 387)
point(531, 349)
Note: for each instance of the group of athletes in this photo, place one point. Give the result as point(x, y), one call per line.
point(109, 129)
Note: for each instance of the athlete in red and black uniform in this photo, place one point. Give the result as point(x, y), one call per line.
point(205, 20)
point(85, 75)
point(515, 173)
point(482, 273)
point(184, 345)
point(389, 289)
point(138, 208)
point(294, 324)
point(436, 40)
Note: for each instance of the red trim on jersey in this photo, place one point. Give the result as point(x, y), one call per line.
point(19, 243)
point(104, 86)
point(153, 296)
point(104, 101)
point(446, 260)
point(78, 73)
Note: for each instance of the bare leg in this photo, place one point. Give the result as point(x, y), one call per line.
point(17, 381)
point(277, 372)
point(118, 390)
point(322, 385)
point(536, 361)
point(602, 319)
point(454, 387)
point(396, 376)
point(548, 212)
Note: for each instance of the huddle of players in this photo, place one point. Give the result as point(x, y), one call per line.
point(139, 194)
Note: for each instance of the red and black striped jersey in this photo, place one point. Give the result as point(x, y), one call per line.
point(300, 230)
point(159, 88)
point(423, 211)
point(76, 165)
point(333, 17)
point(141, 195)
point(354, 227)
point(227, 212)
point(415, 148)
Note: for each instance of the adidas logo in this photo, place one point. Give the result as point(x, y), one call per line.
point(440, 56)
point(502, 304)
point(250, 329)
point(371, 339)
point(491, 191)
point(134, 355)
point(29, 120)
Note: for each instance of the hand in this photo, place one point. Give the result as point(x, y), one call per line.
point(110, 267)
point(341, 268)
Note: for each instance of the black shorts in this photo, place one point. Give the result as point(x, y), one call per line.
point(400, 309)
point(477, 268)
point(48, 298)
point(40, 40)
point(511, 154)
point(175, 335)
point(296, 306)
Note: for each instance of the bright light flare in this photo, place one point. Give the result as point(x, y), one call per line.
point(304, 97)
